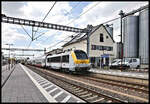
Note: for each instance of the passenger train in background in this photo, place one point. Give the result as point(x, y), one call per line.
point(67, 61)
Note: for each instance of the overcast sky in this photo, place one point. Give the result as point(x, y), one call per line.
point(63, 13)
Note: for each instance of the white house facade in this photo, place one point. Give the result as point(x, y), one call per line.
point(101, 45)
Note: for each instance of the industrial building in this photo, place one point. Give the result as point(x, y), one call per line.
point(101, 44)
point(136, 36)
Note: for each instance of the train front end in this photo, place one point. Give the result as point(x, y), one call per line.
point(80, 61)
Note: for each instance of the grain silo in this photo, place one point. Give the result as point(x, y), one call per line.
point(144, 36)
point(130, 36)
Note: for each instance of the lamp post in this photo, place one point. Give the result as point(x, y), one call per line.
point(9, 53)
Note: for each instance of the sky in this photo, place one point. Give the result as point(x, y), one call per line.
point(76, 14)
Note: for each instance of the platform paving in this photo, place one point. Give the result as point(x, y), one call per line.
point(51, 90)
point(24, 85)
point(5, 73)
point(20, 88)
point(120, 73)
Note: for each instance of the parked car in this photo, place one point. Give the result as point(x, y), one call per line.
point(130, 63)
point(114, 64)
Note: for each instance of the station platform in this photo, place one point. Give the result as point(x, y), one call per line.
point(25, 85)
point(139, 75)
point(5, 72)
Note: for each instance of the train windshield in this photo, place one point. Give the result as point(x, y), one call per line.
point(80, 54)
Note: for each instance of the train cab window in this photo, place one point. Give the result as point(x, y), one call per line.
point(80, 54)
point(65, 58)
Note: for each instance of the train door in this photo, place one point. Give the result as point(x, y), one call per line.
point(71, 63)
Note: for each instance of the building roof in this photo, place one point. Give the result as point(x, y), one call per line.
point(83, 36)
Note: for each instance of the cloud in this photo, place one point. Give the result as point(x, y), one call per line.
point(106, 11)
point(10, 35)
point(12, 8)
point(37, 10)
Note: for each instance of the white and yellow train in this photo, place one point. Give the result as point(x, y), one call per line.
point(69, 61)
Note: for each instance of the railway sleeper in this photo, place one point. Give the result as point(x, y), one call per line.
point(89, 94)
point(92, 97)
point(77, 91)
point(84, 92)
point(109, 101)
point(101, 100)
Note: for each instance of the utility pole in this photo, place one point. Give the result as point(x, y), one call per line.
point(121, 15)
point(9, 54)
point(89, 29)
point(44, 50)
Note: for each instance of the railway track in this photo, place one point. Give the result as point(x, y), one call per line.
point(133, 87)
point(88, 93)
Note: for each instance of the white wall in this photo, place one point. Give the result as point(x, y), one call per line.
point(95, 40)
point(79, 45)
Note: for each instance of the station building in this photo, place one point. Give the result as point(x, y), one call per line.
point(102, 47)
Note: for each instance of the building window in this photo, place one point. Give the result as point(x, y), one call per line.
point(104, 48)
point(101, 38)
point(93, 47)
point(97, 47)
point(106, 37)
point(100, 47)
point(109, 48)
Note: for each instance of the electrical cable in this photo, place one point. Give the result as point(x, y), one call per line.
point(83, 13)
point(29, 43)
point(66, 14)
point(73, 8)
point(26, 31)
point(61, 41)
point(42, 21)
point(78, 17)
point(46, 16)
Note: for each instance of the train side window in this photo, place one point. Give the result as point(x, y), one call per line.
point(56, 59)
point(49, 60)
point(65, 58)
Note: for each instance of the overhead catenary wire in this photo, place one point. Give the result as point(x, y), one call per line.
point(60, 41)
point(73, 8)
point(101, 23)
point(29, 43)
point(46, 16)
point(25, 31)
point(66, 14)
point(79, 16)
point(83, 13)
point(111, 20)
point(42, 21)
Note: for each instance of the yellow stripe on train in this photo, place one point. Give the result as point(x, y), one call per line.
point(77, 61)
